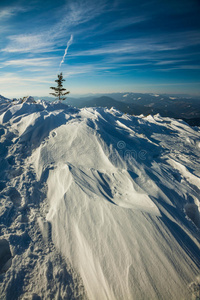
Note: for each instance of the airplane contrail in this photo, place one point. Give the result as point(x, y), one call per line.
point(68, 44)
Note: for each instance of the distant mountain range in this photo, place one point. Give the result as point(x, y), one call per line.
point(173, 106)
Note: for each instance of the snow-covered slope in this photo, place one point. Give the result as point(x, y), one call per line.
point(97, 204)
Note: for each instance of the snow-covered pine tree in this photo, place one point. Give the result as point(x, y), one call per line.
point(59, 91)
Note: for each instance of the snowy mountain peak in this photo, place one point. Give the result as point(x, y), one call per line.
point(98, 204)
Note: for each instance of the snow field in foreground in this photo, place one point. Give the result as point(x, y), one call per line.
point(96, 204)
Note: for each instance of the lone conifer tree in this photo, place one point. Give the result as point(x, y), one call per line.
point(59, 91)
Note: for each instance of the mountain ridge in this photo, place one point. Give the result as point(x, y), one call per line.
point(97, 204)
point(179, 107)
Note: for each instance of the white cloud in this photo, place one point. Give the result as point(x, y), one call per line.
point(153, 47)
point(170, 62)
point(29, 43)
point(8, 12)
point(119, 24)
point(128, 47)
point(18, 85)
point(41, 62)
point(181, 67)
point(23, 80)
point(48, 38)
point(190, 67)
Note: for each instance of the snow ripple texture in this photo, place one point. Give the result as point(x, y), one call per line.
point(96, 204)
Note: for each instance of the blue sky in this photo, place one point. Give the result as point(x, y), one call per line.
point(116, 46)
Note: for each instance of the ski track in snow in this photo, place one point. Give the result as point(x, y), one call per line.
point(96, 204)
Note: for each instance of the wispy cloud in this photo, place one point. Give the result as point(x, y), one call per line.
point(6, 13)
point(46, 40)
point(42, 62)
point(79, 12)
point(128, 47)
point(112, 26)
point(23, 85)
point(190, 67)
point(16, 79)
point(181, 67)
point(9, 12)
point(170, 62)
point(127, 21)
point(116, 36)
point(33, 43)
point(99, 68)
point(166, 49)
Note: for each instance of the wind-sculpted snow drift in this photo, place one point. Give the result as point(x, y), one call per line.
point(96, 204)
